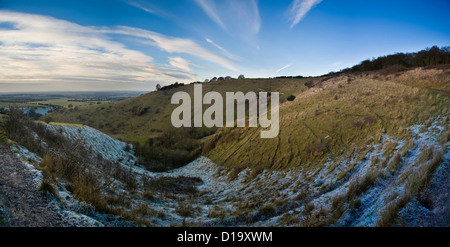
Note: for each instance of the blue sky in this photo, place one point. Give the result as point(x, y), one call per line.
point(133, 44)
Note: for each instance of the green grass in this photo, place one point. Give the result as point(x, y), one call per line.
point(316, 125)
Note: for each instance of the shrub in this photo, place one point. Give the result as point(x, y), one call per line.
point(139, 110)
point(48, 120)
point(14, 123)
point(291, 98)
point(309, 84)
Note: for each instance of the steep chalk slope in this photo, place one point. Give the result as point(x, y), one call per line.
point(22, 204)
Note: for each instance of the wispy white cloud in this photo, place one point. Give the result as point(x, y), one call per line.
point(179, 62)
point(141, 6)
point(174, 45)
point(235, 16)
point(40, 50)
point(209, 8)
point(285, 67)
point(223, 50)
point(299, 8)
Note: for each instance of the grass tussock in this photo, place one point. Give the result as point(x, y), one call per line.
point(394, 164)
point(217, 212)
point(420, 179)
point(361, 185)
point(185, 210)
point(389, 215)
point(48, 188)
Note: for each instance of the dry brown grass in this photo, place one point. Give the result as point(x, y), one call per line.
point(361, 185)
point(394, 164)
point(420, 179)
point(390, 212)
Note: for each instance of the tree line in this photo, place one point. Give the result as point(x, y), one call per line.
point(401, 61)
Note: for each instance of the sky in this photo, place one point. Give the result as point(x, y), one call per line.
point(93, 45)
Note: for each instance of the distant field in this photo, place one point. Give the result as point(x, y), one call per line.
point(62, 99)
point(63, 102)
point(66, 102)
point(7, 104)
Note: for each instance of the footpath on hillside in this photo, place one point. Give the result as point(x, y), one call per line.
point(21, 204)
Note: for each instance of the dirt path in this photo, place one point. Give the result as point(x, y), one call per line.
point(23, 204)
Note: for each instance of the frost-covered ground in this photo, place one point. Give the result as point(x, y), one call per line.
point(96, 142)
point(270, 197)
point(29, 172)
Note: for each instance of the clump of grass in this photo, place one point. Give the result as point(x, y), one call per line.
point(117, 200)
point(48, 188)
point(86, 188)
point(374, 160)
point(390, 212)
point(267, 211)
point(389, 148)
point(143, 210)
point(394, 163)
point(426, 153)
point(149, 195)
point(289, 219)
point(445, 137)
point(315, 218)
point(234, 173)
point(408, 146)
point(217, 212)
point(185, 210)
point(337, 207)
point(420, 179)
point(359, 186)
point(3, 136)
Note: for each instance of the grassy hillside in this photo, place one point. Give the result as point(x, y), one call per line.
point(340, 116)
point(140, 118)
point(331, 116)
point(145, 120)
